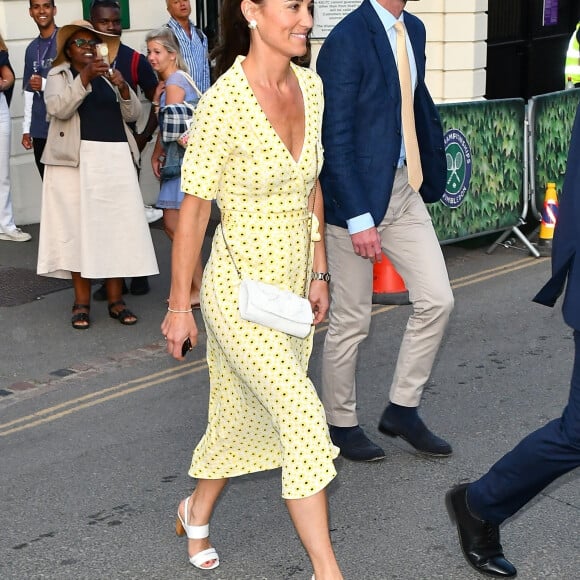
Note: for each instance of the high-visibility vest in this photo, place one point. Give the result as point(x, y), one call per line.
point(572, 68)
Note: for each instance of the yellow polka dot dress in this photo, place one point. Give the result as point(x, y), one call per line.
point(264, 411)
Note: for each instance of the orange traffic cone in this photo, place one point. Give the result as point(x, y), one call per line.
point(388, 286)
point(549, 219)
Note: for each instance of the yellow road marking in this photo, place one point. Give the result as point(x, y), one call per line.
point(510, 266)
point(51, 413)
point(61, 410)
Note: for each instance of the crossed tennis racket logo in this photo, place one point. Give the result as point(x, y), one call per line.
point(454, 165)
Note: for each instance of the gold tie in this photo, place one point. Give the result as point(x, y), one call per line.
point(407, 114)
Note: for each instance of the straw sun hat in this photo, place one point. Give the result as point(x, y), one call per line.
point(65, 32)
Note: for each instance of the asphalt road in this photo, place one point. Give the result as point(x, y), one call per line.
point(97, 429)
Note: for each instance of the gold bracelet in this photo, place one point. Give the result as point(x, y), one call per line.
point(179, 311)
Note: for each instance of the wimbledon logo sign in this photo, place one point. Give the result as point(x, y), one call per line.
point(458, 155)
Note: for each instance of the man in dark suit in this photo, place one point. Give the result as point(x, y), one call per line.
point(480, 507)
point(380, 168)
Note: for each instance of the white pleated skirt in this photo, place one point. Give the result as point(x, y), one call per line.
point(92, 219)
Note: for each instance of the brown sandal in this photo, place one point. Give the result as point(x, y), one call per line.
point(124, 315)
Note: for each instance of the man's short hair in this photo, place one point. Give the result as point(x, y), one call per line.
point(30, 2)
point(105, 4)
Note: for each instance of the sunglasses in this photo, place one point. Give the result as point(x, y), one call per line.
point(80, 42)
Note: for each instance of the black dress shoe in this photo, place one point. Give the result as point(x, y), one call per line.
point(100, 294)
point(354, 444)
point(140, 286)
point(415, 433)
point(479, 539)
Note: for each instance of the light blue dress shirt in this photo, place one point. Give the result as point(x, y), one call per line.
point(365, 221)
point(194, 52)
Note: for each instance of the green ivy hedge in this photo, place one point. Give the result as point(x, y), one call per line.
point(552, 123)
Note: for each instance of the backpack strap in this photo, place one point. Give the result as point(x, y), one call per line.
point(135, 69)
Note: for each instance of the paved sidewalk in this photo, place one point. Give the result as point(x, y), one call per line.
point(39, 342)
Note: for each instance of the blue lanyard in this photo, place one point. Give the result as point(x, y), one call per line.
point(46, 50)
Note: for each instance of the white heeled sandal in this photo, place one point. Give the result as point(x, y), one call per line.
point(182, 528)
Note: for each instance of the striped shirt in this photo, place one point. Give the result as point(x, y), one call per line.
point(194, 51)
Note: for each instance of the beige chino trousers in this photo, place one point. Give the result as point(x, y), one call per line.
point(409, 240)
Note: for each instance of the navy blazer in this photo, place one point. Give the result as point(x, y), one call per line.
point(567, 240)
point(361, 130)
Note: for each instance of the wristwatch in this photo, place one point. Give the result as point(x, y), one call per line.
point(324, 276)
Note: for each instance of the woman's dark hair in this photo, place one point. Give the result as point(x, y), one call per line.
point(234, 36)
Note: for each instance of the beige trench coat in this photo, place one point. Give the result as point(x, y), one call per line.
point(63, 95)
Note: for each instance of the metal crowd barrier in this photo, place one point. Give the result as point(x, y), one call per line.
point(486, 150)
point(500, 156)
point(551, 118)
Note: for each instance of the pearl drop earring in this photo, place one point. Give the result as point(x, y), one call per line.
point(252, 25)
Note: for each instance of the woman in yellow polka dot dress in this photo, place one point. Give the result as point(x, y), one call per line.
point(256, 149)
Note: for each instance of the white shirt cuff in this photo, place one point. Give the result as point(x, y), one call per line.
point(28, 98)
point(360, 223)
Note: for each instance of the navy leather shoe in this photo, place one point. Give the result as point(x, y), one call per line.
point(354, 444)
point(414, 432)
point(479, 540)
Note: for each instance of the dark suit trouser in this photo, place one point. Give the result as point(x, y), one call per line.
point(534, 463)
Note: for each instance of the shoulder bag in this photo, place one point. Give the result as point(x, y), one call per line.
point(271, 306)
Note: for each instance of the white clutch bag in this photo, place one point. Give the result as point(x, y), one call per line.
point(275, 308)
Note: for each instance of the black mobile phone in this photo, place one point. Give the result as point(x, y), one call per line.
point(186, 347)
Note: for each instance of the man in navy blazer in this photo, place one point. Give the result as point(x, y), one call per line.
point(480, 507)
point(370, 207)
